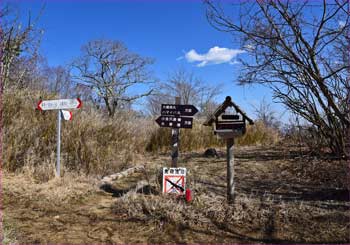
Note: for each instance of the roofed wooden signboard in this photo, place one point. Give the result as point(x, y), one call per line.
point(227, 124)
point(229, 121)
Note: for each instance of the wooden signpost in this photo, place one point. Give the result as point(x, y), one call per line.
point(59, 105)
point(176, 116)
point(175, 135)
point(229, 126)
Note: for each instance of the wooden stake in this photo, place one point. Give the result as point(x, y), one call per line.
point(175, 133)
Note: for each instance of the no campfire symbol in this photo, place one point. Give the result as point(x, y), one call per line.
point(174, 180)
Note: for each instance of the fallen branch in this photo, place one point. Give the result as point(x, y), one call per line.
point(110, 178)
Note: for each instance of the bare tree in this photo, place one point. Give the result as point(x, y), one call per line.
point(110, 70)
point(183, 84)
point(19, 45)
point(155, 100)
point(300, 53)
point(191, 89)
point(266, 114)
point(58, 80)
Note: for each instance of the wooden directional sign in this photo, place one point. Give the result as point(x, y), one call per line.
point(178, 110)
point(175, 122)
point(44, 105)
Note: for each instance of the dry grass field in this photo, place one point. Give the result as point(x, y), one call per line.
point(282, 196)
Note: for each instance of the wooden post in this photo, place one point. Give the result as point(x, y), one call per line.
point(175, 132)
point(230, 170)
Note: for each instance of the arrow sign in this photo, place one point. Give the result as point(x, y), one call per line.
point(178, 110)
point(66, 115)
point(44, 105)
point(175, 122)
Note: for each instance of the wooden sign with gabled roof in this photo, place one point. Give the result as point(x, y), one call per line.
point(228, 125)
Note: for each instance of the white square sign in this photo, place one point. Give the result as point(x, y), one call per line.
point(174, 180)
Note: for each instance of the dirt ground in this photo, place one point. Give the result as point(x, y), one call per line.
point(282, 196)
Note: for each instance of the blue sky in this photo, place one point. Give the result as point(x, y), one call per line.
point(163, 30)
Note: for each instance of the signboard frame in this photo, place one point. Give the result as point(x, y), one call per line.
point(178, 110)
point(44, 105)
point(174, 121)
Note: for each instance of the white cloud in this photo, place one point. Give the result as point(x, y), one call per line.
point(215, 55)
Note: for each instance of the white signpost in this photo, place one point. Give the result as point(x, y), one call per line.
point(59, 105)
point(174, 180)
point(44, 105)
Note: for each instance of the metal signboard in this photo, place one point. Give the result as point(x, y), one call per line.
point(178, 110)
point(66, 115)
point(174, 180)
point(44, 105)
point(174, 122)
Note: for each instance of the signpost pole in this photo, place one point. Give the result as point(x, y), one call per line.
point(175, 132)
point(58, 105)
point(230, 170)
point(58, 167)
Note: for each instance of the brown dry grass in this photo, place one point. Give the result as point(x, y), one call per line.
point(55, 191)
point(279, 190)
point(276, 201)
point(259, 134)
point(92, 143)
point(199, 137)
point(271, 204)
point(250, 219)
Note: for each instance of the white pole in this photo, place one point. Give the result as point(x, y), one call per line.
point(230, 170)
point(58, 167)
